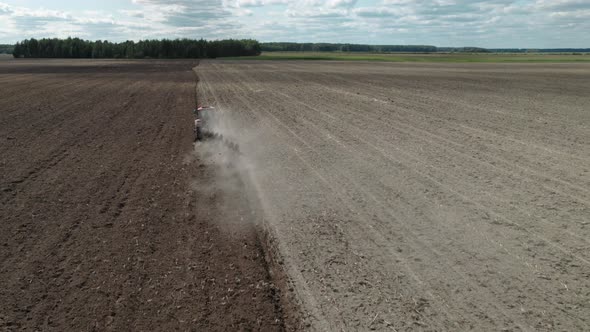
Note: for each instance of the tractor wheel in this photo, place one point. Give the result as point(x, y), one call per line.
point(199, 134)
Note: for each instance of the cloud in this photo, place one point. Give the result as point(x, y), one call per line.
point(5, 9)
point(257, 3)
point(380, 12)
point(486, 23)
point(342, 3)
point(563, 5)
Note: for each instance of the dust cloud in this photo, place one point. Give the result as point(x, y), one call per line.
point(228, 172)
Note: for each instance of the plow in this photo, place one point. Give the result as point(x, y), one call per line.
point(205, 131)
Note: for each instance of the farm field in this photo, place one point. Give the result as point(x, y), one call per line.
point(101, 227)
point(419, 57)
point(430, 196)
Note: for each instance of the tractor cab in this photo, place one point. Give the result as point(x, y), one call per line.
point(203, 118)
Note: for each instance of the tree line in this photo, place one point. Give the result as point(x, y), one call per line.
point(329, 47)
point(159, 49)
point(6, 49)
point(462, 50)
point(540, 50)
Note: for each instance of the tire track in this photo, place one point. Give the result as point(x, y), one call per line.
point(347, 201)
point(384, 167)
point(309, 126)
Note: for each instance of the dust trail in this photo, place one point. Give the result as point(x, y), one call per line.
point(237, 174)
point(408, 202)
point(279, 188)
point(236, 171)
point(229, 172)
point(227, 165)
point(234, 187)
point(247, 182)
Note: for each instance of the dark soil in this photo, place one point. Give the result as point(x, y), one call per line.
point(100, 225)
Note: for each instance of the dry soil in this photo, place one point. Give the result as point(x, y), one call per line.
point(420, 196)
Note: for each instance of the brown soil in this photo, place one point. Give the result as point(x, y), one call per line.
point(103, 223)
point(395, 196)
point(420, 196)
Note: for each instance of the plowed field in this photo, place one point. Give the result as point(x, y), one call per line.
point(420, 196)
point(104, 224)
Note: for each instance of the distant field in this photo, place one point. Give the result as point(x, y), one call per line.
point(413, 57)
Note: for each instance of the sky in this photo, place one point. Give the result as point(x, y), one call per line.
point(482, 23)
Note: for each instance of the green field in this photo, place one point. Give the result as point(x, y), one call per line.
point(413, 57)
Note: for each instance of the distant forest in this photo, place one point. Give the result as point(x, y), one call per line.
point(191, 48)
point(541, 50)
point(158, 49)
point(6, 49)
point(329, 47)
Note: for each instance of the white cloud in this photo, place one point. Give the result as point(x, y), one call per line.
point(378, 12)
point(257, 3)
point(486, 23)
point(342, 3)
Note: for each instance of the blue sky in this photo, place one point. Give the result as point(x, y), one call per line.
point(485, 23)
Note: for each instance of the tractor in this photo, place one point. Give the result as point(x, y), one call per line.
point(204, 130)
point(202, 118)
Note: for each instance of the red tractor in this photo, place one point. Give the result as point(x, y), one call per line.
point(204, 131)
point(202, 116)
